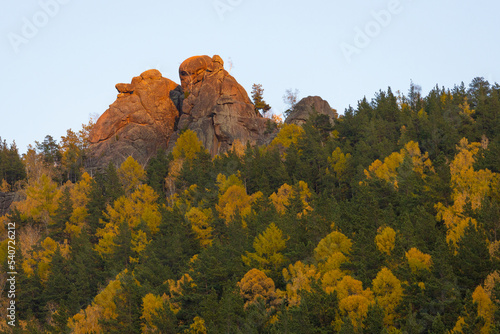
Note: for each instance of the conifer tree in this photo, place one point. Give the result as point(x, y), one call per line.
point(258, 100)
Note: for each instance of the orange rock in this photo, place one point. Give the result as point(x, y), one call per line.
point(217, 107)
point(137, 124)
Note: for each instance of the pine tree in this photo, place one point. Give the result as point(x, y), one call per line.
point(61, 216)
point(258, 100)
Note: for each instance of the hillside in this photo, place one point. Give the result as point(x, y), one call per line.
point(382, 220)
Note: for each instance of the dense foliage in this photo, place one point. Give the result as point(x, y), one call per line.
point(384, 222)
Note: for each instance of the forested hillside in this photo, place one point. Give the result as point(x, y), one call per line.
point(384, 222)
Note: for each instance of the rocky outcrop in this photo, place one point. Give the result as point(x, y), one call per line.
point(150, 112)
point(6, 200)
point(217, 107)
point(137, 124)
point(303, 109)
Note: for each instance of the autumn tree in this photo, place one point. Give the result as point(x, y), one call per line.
point(200, 220)
point(288, 134)
point(389, 293)
point(485, 308)
point(268, 246)
point(139, 213)
point(131, 175)
point(385, 240)
point(41, 200)
point(235, 201)
point(469, 188)
point(298, 276)
point(354, 301)
point(283, 197)
point(186, 147)
point(339, 162)
point(334, 242)
point(331, 253)
point(103, 307)
point(255, 286)
point(388, 170)
point(418, 260)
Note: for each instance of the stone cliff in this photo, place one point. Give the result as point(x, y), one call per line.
point(137, 124)
point(217, 107)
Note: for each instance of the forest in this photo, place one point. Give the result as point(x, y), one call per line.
point(384, 221)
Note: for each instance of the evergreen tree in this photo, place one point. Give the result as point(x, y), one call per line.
point(258, 100)
point(62, 215)
point(472, 262)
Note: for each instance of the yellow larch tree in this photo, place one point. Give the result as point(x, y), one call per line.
point(151, 305)
point(331, 244)
point(131, 175)
point(298, 276)
point(41, 200)
point(103, 307)
point(418, 260)
point(223, 182)
point(4, 186)
point(176, 289)
point(255, 286)
point(238, 148)
point(353, 299)
point(465, 110)
point(469, 188)
point(197, 327)
point(80, 198)
point(490, 282)
point(387, 170)
point(330, 254)
point(186, 147)
point(339, 161)
point(385, 240)
point(139, 207)
point(268, 246)
point(485, 308)
point(288, 134)
point(389, 293)
point(234, 200)
point(41, 260)
point(281, 198)
point(200, 220)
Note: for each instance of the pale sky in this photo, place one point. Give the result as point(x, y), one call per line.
point(62, 58)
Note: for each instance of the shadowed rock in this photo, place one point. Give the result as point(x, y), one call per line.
point(303, 109)
point(6, 200)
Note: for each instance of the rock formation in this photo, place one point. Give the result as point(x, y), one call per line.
point(303, 109)
point(150, 112)
point(6, 200)
point(137, 124)
point(217, 107)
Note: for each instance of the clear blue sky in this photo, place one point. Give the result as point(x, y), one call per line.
point(56, 75)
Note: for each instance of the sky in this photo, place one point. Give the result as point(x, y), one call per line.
point(60, 59)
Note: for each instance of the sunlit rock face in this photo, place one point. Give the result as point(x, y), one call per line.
point(216, 106)
point(150, 112)
point(137, 124)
